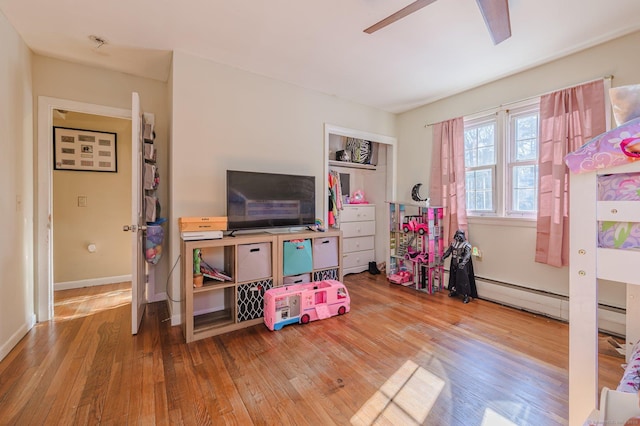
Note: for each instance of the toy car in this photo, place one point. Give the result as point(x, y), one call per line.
point(416, 256)
point(400, 277)
point(411, 224)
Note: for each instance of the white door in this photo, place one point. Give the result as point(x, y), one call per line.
point(138, 224)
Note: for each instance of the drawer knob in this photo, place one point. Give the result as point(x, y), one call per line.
point(614, 211)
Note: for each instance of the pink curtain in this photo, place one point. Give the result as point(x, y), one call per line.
point(568, 119)
point(447, 175)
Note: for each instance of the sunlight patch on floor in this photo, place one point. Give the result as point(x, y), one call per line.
point(68, 307)
point(491, 418)
point(405, 398)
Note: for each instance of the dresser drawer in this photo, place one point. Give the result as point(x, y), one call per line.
point(358, 213)
point(358, 244)
point(358, 259)
point(357, 229)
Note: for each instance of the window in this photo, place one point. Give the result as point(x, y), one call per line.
point(480, 165)
point(501, 162)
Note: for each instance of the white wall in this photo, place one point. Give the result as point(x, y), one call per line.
point(508, 251)
point(60, 79)
point(16, 189)
point(224, 118)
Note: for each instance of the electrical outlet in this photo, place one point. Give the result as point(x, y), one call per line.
point(82, 201)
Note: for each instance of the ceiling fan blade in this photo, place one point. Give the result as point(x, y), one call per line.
point(413, 7)
point(496, 16)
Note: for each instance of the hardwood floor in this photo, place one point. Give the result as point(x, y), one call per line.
point(399, 357)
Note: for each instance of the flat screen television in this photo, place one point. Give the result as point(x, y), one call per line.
point(257, 200)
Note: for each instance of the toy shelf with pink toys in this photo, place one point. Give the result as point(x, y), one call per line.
point(416, 246)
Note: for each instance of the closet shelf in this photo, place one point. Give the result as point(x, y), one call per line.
point(349, 165)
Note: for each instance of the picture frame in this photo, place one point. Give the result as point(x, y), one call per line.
point(84, 150)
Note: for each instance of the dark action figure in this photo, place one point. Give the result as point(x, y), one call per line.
point(461, 277)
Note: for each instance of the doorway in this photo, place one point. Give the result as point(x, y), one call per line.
point(88, 207)
point(47, 108)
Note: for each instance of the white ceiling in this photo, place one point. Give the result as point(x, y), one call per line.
point(438, 51)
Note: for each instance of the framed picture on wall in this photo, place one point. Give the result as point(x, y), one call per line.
point(84, 150)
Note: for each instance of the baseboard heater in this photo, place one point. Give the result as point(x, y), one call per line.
point(611, 319)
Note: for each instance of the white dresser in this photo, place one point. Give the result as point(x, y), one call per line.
point(358, 226)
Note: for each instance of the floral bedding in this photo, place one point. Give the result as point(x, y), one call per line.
point(619, 187)
point(605, 150)
point(630, 381)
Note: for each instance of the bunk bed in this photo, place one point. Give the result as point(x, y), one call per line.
point(604, 244)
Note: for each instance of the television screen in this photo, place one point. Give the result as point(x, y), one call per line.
point(269, 200)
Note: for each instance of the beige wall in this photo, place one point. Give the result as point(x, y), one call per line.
point(64, 80)
point(508, 251)
point(100, 223)
point(224, 118)
point(16, 189)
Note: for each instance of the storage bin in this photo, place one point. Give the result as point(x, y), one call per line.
point(325, 252)
point(297, 257)
point(297, 279)
point(254, 261)
point(251, 299)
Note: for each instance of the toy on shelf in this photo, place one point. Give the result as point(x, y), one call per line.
point(416, 255)
point(302, 303)
point(358, 198)
point(402, 277)
point(413, 224)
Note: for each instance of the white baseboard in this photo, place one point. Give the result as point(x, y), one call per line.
point(91, 282)
point(176, 318)
point(15, 337)
point(157, 298)
point(610, 320)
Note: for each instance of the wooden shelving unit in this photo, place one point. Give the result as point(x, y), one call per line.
point(254, 263)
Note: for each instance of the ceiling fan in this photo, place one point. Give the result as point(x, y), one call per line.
point(494, 12)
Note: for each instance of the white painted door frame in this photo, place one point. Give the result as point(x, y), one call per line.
point(44, 202)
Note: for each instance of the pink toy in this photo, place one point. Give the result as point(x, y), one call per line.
point(416, 256)
point(401, 277)
point(411, 224)
point(302, 303)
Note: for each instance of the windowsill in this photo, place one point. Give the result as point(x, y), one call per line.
point(521, 222)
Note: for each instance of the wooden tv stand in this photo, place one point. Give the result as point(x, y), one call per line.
point(254, 263)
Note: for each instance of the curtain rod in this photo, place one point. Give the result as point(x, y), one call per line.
point(606, 77)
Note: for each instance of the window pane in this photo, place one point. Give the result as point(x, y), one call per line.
point(470, 147)
point(479, 145)
point(486, 135)
point(527, 127)
point(524, 195)
point(483, 179)
point(526, 137)
point(479, 189)
point(486, 156)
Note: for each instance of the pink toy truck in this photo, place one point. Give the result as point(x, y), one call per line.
point(301, 303)
point(412, 224)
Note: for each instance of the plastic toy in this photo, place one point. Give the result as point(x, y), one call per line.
point(416, 256)
point(461, 276)
point(401, 277)
point(358, 198)
point(410, 223)
point(302, 303)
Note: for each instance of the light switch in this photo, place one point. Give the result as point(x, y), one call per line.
point(82, 201)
